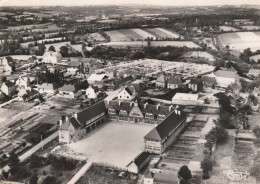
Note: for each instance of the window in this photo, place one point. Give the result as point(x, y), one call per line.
point(111, 111)
point(123, 113)
point(161, 117)
point(148, 115)
point(135, 114)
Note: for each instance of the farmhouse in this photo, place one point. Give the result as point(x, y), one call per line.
point(52, 57)
point(138, 113)
point(165, 133)
point(75, 128)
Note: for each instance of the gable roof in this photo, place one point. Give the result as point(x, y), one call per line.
point(91, 112)
point(195, 81)
point(174, 80)
point(209, 79)
point(97, 77)
point(166, 126)
point(69, 88)
point(162, 78)
point(128, 91)
point(48, 86)
point(9, 84)
point(140, 159)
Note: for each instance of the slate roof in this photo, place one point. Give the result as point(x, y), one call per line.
point(128, 91)
point(162, 130)
point(175, 80)
point(195, 81)
point(91, 112)
point(140, 159)
point(9, 84)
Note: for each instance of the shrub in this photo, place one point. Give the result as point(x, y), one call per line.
point(206, 164)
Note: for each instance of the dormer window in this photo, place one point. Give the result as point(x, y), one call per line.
point(161, 117)
point(149, 115)
point(123, 113)
point(111, 111)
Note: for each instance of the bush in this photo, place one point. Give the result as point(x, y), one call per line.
point(37, 161)
point(50, 180)
point(62, 163)
point(21, 173)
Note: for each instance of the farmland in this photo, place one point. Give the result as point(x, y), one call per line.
point(140, 34)
point(118, 44)
point(241, 40)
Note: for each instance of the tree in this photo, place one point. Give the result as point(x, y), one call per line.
point(50, 179)
point(51, 48)
point(184, 174)
point(64, 51)
point(209, 144)
point(41, 49)
point(14, 162)
point(205, 175)
point(206, 164)
point(34, 178)
point(4, 79)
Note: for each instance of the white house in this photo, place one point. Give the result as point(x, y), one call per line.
point(23, 82)
point(97, 77)
point(127, 93)
point(8, 88)
point(47, 88)
point(90, 93)
point(52, 57)
point(7, 64)
point(67, 91)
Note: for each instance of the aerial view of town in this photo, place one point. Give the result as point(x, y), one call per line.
point(129, 92)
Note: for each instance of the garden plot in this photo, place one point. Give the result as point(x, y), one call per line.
point(116, 36)
point(144, 34)
point(183, 149)
point(171, 34)
point(131, 34)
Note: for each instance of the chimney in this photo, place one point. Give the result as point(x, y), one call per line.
point(145, 105)
point(157, 107)
point(131, 103)
point(176, 111)
point(170, 108)
point(60, 122)
point(75, 115)
point(66, 118)
point(119, 102)
point(179, 112)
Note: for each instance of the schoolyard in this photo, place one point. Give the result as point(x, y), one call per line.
point(114, 143)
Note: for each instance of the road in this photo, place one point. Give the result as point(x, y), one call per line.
point(34, 149)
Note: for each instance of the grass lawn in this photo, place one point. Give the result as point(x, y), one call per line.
point(114, 143)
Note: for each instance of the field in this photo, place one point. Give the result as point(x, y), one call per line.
point(241, 40)
point(124, 44)
point(140, 34)
point(46, 26)
point(114, 143)
point(41, 41)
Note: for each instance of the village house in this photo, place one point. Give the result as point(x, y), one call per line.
point(67, 91)
point(48, 88)
point(97, 77)
point(7, 65)
point(22, 82)
point(76, 127)
point(90, 93)
point(209, 82)
point(8, 88)
point(139, 162)
point(136, 112)
point(160, 178)
point(161, 81)
point(27, 94)
point(234, 89)
point(174, 82)
point(165, 133)
point(195, 84)
point(52, 57)
point(127, 93)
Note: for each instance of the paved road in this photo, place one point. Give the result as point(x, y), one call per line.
point(34, 149)
point(80, 173)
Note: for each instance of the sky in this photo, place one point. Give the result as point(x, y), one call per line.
point(124, 2)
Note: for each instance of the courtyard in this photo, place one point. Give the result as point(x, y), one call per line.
point(114, 143)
